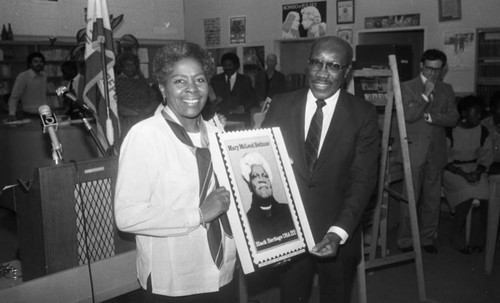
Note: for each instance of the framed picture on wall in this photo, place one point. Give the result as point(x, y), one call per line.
point(450, 10)
point(237, 30)
point(266, 213)
point(345, 11)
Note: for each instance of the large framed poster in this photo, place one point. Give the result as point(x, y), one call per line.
point(266, 213)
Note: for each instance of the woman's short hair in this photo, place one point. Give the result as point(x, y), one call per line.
point(166, 58)
point(468, 102)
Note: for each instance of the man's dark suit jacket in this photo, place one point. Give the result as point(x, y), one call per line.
point(241, 94)
point(277, 85)
point(423, 136)
point(338, 190)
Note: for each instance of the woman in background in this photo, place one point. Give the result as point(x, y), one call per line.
point(492, 122)
point(465, 179)
point(166, 192)
point(136, 99)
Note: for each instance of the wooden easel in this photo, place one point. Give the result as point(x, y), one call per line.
point(381, 208)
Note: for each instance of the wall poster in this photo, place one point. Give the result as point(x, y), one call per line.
point(266, 214)
point(237, 30)
point(460, 48)
point(211, 27)
point(393, 21)
point(304, 20)
point(345, 33)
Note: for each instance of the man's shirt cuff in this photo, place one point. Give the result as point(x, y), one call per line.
point(428, 118)
point(339, 231)
point(425, 98)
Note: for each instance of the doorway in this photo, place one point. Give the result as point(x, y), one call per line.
point(414, 37)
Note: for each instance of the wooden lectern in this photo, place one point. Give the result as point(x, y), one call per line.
point(67, 219)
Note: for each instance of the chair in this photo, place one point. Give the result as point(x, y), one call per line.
point(492, 225)
point(468, 221)
point(258, 115)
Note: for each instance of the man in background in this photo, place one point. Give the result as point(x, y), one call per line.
point(235, 96)
point(30, 88)
point(429, 107)
point(270, 81)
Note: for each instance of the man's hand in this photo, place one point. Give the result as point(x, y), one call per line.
point(429, 88)
point(328, 247)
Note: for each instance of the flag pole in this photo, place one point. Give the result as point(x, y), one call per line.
point(109, 124)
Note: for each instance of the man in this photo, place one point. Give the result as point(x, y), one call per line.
point(429, 107)
point(235, 96)
point(30, 87)
point(267, 218)
point(270, 81)
point(336, 176)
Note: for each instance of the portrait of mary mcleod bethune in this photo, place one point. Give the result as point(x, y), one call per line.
point(268, 213)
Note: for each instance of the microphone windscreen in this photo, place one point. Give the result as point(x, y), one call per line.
point(44, 110)
point(61, 91)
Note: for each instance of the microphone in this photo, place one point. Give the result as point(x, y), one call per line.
point(63, 92)
point(49, 122)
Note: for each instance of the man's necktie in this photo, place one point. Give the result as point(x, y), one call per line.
point(208, 182)
point(228, 83)
point(314, 135)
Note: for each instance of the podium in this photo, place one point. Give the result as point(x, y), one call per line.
point(67, 219)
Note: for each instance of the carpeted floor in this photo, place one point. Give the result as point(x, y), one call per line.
point(450, 276)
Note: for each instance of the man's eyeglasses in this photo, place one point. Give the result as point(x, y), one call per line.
point(433, 69)
point(332, 67)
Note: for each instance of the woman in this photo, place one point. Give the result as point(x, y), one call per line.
point(135, 98)
point(166, 193)
point(492, 122)
point(465, 179)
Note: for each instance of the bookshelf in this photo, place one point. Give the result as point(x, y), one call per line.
point(13, 56)
point(488, 62)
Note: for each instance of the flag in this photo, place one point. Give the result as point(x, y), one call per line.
point(101, 99)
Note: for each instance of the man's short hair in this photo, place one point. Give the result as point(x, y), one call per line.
point(34, 55)
point(232, 57)
point(432, 55)
point(250, 159)
point(337, 40)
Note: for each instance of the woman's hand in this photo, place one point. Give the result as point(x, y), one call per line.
point(215, 204)
point(473, 176)
point(222, 119)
